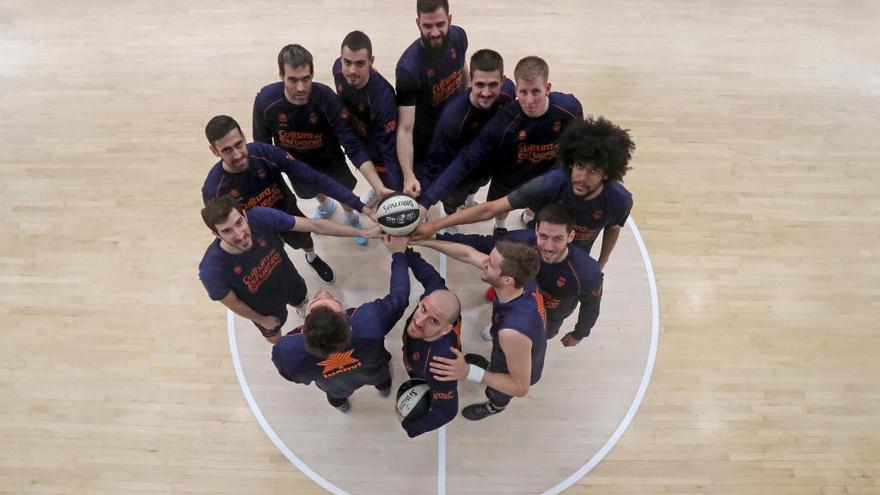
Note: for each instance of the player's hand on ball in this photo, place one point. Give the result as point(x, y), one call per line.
point(425, 230)
point(446, 370)
point(411, 186)
point(382, 194)
point(395, 244)
point(370, 213)
point(374, 232)
point(569, 340)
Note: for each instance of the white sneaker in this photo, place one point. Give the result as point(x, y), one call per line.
point(522, 218)
point(486, 334)
point(301, 311)
point(452, 230)
point(470, 202)
point(369, 197)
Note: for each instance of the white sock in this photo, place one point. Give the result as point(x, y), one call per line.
point(310, 256)
point(352, 216)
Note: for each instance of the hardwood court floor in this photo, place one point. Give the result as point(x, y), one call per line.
point(756, 187)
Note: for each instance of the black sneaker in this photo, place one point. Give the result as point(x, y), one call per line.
point(476, 412)
point(323, 269)
point(385, 392)
point(476, 360)
point(499, 230)
point(345, 407)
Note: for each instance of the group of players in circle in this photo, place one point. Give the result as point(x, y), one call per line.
point(443, 131)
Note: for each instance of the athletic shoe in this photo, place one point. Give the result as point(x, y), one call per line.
point(476, 360)
point(385, 392)
point(522, 218)
point(345, 407)
point(486, 334)
point(368, 198)
point(469, 202)
point(301, 311)
point(452, 230)
point(476, 412)
point(325, 210)
point(499, 230)
point(355, 222)
point(323, 269)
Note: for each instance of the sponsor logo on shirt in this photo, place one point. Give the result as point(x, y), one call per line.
point(536, 153)
point(584, 233)
point(560, 282)
point(339, 362)
point(263, 271)
point(550, 302)
point(301, 140)
point(445, 88)
point(267, 197)
point(441, 396)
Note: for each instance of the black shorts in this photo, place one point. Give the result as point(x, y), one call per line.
point(338, 172)
point(296, 295)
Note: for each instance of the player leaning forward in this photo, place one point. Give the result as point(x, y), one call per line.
point(519, 338)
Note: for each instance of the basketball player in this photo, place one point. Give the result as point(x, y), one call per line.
point(522, 136)
point(594, 154)
point(519, 338)
point(246, 268)
point(306, 118)
point(430, 71)
point(461, 121)
point(342, 349)
point(433, 329)
point(567, 277)
point(251, 173)
point(370, 108)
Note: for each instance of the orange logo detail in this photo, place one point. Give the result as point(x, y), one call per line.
point(339, 88)
point(539, 301)
point(339, 362)
point(261, 242)
point(237, 270)
point(290, 157)
point(234, 193)
point(391, 126)
point(429, 72)
point(282, 118)
point(560, 282)
point(313, 118)
point(441, 396)
point(415, 356)
point(597, 214)
point(557, 126)
point(261, 173)
point(342, 113)
point(453, 54)
point(522, 135)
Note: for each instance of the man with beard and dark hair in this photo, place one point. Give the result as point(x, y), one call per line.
point(595, 154)
point(430, 71)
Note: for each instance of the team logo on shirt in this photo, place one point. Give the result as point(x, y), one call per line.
point(339, 362)
point(313, 118)
point(443, 396)
point(289, 157)
point(361, 107)
point(522, 135)
point(584, 233)
point(261, 242)
point(237, 270)
point(429, 72)
point(282, 118)
point(453, 54)
point(339, 88)
point(391, 126)
point(234, 193)
point(597, 214)
point(557, 126)
point(261, 173)
point(415, 356)
point(343, 114)
point(560, 282)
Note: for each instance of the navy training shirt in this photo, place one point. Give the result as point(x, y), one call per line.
point(610, 207)
point(524, 146)
point(426, 78)
point(261, 184)
point(372, 114)
point(524, 314)
point(312, 131)
point(258, 276)
point(341, 373)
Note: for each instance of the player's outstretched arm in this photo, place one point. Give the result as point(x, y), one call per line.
point(241, 308)
point(475, 214)
point(368, 170)
point(330, 228)
point(407, 116)
point(460, 252)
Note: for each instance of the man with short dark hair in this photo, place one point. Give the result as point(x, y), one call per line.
point(307, 119)
point(251, 173)
point(246, 268)
point(595, 154)
point(462, 119)
point(519, 338)
point(430, 71)
point(371, 109)
point(568, 278)
point(522, 136)
point(342, 349)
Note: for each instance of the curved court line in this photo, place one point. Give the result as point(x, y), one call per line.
point(236, 362)
point(441, 454)
point(646, 376)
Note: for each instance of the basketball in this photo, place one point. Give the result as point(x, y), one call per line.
point(413, 398)
point(398, 214)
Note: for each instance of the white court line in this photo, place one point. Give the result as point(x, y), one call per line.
point(441, 448)
point(646, 376)
point(236, 362)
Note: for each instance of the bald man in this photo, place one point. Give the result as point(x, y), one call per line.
point(433, 329)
